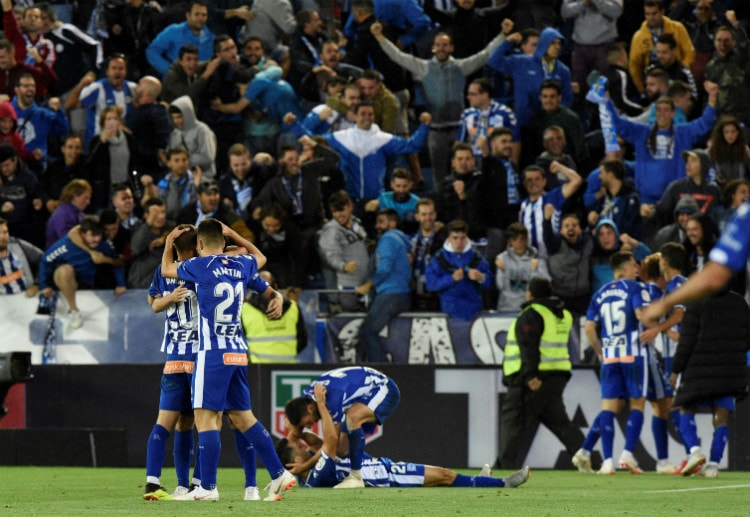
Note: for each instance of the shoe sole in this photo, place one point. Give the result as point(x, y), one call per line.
point(689, 470)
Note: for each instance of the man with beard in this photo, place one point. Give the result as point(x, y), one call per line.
point(209, 205)
point(18, 261)
point(424, 243)
point(400, 199)
point(324, 119)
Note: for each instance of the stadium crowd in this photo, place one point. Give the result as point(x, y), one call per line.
point(348, 139)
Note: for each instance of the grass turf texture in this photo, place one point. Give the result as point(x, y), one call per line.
point(60, 492)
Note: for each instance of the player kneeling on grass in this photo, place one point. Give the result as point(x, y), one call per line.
point(377, 472)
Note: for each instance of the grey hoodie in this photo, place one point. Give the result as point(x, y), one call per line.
point(196, 136)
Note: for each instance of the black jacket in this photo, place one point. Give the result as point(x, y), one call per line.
point(714, 338)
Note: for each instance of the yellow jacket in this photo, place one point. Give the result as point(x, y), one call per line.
point(643, 43)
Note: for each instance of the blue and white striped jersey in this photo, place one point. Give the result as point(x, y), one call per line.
point(376, 472)
point(347, 386)
point(221, 283)
point(181, 318)
point(614, 305)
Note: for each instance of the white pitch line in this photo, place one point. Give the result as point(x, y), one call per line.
point(697, 489)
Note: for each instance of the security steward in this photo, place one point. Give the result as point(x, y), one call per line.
point(273, 340)
point(535, 370)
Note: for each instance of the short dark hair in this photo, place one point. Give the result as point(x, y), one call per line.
point(390, 214)
point(117, 188)
point(531, 168)
point(211, 231)
point(186, 241)
point(91, 223)
point(539, 287)
point(108, 216)
point(619, 259)
point(304, 16)
point(667, 39)
point(218, 40)
point(674, 254)
point(653, 3)
point(461, 146)
point(192, 4)
point(457, 226)
point(516, 230)
point(364, 103)
point(529, 33)
point(500, 131)
point(659, 74)
point(339, 200)
point(24, 75)
point(296, 408)
point(679, 88)
point(650, 267)
point(154, 201)
point(284, 452)
point(177, 150)
point(484, 84)
point(372, 75)
point(551, 84)
point(6, 44)
point(274, 210)
point(189, 48)
point(614, 166)
point(401, 173)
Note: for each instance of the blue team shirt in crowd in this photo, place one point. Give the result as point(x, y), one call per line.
point(614, 305)
point(221, 283)
point(181, 318)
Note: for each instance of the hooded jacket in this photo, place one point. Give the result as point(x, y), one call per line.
point(707, 195)
point(528, 72)
point(13, 138)
point(392, 268)
point(601, 272)
point(460, 299)
point(196, 137)
point(514, 279)
point(674, 232)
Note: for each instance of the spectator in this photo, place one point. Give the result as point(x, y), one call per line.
point(553, 113)
point(701, 23)
point(384, 103)
point(553, 150)
point(110, 159)
point(75, 51)
point(315, 83)
point(457, 272)
point(516, 266)
point(36, 124)
point(273, 22)
point(148, 122)
point(676, 232)
point(95, 96)
point(532, 208)
point(469, 26)
point(620, 84)
point(123, 203)
point(643, 47)
point(390, 279)
point(19, 261)
point(406, 16)
point(30, 46)
point(324, 119)
point(342, 248)
point(186, 76)
point(179, 187)
point(594, 28)
point(75, 198)
point(500, 171)
point(240, 184)
point(569, 260)
point(279, 240)
point(20, 196)
point(443, 80)
point(528, 72)
point(696, 184)
point(68, 267)
point(427, 239)
point(164, 49)
point(117, 238)
point(728, 151)
point(273, 340)
point(147, 244)
point(131, 27)
point(666, 59)
point(729, 69)
point(620, 203)
point(304, 47)
point(8, 133)
point(61, 172)
point(365, 147)
point(483, 116)
point(11, 70)
point(702, 234)
point(400, 198)
point(463, 194)
point(209, 205)
point(194, 136)
point(607, 242)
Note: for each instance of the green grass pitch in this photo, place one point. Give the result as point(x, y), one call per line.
point(60, 492)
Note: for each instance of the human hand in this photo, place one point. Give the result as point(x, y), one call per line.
point(500, 263)
point(555, 166)
point(549, 210)
point(324, 113)
point(647, 211)
point(534, 264)
point(47, 292)
point(244, 13)
point(31, 291)
point(506, 26)
point(319, 390)
point(350, 267)
point(476, 275)
point(54, 103)
point(363, 289)
point(459, 188)
point(731, 17)
point(37, 204)
point(263, 159)
point(673, 380)
point(34, 53)
point(88, 78)
point(178, 295)
point(376, 29)
point(425, 118)
point(534, 384)
point(120, 290)
point(97, 257)
point(648, 335)
point(37, 154)
point(290, 118)
point(593, 218)
point(116, 29)
point(372, 205)
point(515, 38)
point(458, 275)
point(275, 306)
point(8, 207)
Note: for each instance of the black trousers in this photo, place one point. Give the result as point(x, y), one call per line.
point(523, 410)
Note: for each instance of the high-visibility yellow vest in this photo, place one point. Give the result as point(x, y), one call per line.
point(271, 341)
point(553, 346)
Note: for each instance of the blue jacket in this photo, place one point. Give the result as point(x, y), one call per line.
point(363, 155)
point(165, 49)
point(273, 97)
point(392, 269)
point(654, 173)
point(36, 123)
point(460, 299)
point(528, 74)
point(405, 15)
point(65, 252)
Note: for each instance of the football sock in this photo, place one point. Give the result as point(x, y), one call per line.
point(633, 429)
point(593, 435)
point(155, 453)
point(688, 431)
point(356, 448)
point(721, 434)
point(675, 416)
point(247, 457)
point(477, 481)
point(196, 480)
point(183, 453)
point(659, 430)
point(209, 444)
point(258, 437)
point(607, 425)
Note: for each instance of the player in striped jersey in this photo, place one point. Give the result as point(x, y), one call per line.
point(177, 298)
point(330, 470)
point(359, 398)
point(220, 374)
point(616, 306)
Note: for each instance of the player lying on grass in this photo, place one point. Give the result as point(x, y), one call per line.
point(377, 472)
